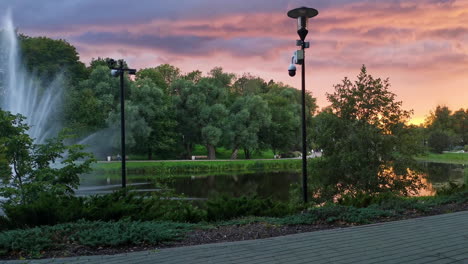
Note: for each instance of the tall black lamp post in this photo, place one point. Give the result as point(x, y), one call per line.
point(119, 70)
point(302, 14)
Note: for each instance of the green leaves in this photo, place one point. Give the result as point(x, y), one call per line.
point(32, 167)
point(364, 139)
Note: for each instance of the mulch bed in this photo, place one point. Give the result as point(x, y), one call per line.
point(236, 233)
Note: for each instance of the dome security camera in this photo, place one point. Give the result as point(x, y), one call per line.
point(292, 70)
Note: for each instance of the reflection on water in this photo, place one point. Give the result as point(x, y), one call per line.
point(263, 184)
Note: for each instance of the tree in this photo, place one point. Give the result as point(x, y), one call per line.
point(49, 57)
point(248, 115)
point(31, 169)
point(154, 106)
point(193, 76)
point(284, 133)
point(368, 99)
point(221, 78)
point(89, 103)
point(439, 141)
point(155, 76)
point(201, 113)
point(460, 125)
point(442, 123)
point(249, 85)
point(440, 119)
point(169, 73)
point(360, 134)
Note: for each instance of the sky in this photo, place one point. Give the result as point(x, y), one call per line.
point(420, 45)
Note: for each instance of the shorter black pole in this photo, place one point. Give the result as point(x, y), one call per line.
point(122, 126)
point(304, 132)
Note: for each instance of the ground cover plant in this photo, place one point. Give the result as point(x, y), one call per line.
point(139, 222)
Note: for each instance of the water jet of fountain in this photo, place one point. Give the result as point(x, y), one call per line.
point(21, 93)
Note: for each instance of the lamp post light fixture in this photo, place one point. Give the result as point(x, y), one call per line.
point(119, 70)
point(302, 14)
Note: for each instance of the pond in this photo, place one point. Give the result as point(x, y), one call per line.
point(264, 184)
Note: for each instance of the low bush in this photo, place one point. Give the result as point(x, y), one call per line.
point(50, 210)
point(451, 189)
point(225, 208)
point(31, 242)
point(46, 210)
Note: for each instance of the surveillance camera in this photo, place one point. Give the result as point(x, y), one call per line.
point(115, 72)
point(292, 70)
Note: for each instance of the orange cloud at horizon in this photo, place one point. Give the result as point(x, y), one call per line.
point(421, 46)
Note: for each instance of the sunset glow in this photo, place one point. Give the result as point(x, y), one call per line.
point(421, 46)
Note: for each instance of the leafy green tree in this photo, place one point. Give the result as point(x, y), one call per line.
point(440, 140)
point(368, 99)
point(440, 119)
point(360, 134)
point(193, 76)
point(88, 105)
point(31, 169)
point(170, 74)
point(284, 132)
point(49, 57)
point(460, 125)
point(155, 76)
point(249, 85)
point(443, 123)
point(221, 78)
point(202, 113)
point(149, 118)
point(248, 115)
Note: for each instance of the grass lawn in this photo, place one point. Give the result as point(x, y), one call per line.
point(456, 158)
point(189, 166)
point(221, 153)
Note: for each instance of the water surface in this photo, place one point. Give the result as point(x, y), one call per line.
point(274, 184)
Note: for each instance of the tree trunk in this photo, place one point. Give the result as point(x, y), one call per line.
point(247, 153)
point(188, 150)
point(211, 152)
point(234, 153)
point(150, 154)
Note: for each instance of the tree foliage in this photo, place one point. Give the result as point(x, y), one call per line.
point(248, 115)
point(360, 135)
point(31, 167)
point(49, 57)
point(447, 129)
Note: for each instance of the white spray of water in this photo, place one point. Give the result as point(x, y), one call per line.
point(21, 93)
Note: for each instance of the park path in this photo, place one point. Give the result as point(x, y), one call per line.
point(433, 239)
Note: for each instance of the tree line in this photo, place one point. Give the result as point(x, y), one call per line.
point(169, 112)
point(364, 133)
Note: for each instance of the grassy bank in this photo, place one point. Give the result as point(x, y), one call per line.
point(455, 158)
point(188, 166)
point(221, 153)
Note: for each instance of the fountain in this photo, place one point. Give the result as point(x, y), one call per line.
point(22, 93)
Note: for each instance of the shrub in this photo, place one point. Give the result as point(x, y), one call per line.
point(31, 242)
point(361, 199)
point(48, 209)
point(225, 208)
